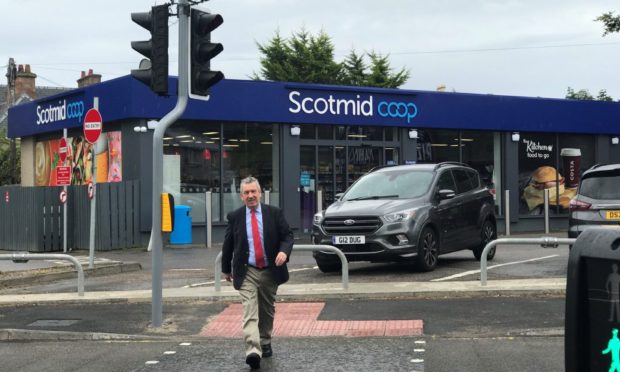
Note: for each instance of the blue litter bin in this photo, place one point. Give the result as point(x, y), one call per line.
point(182, 230)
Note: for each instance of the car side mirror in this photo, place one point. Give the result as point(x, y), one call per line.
point(444, 194)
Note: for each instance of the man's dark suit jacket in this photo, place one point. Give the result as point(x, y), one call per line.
point(277, 237)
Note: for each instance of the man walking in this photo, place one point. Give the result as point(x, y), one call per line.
point(257, 246)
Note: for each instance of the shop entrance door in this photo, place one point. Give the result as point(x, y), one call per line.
point(361, 159)
point(331, 169)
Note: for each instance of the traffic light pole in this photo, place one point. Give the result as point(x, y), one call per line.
point(156, 241)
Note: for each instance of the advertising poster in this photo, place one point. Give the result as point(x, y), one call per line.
point(538, 156)
point(79, 157)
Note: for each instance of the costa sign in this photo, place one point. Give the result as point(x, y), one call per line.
point(93, 125)
point(358, 106)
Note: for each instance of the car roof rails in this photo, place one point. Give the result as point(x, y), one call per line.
point(446, 163)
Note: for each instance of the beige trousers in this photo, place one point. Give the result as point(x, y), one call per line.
point(258, 295)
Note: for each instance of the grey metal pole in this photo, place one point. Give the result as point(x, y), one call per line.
point(208, 218)
point(319, 200)
point(267, 197)
point(64, 207)
point(156, 240)
point(546, 211)
point(507, 211)
point(93, 202)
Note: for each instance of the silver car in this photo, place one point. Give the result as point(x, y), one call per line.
point(597, 202)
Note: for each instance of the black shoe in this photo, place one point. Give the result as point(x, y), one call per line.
point(267, 352)
point(253, 360)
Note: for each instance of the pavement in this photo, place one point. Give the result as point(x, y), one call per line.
point(33, 271)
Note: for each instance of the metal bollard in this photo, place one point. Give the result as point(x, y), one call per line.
point(208, 219)
point(546, 211)
point(507, 211)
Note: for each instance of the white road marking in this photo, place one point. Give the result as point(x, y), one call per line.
point(152, 361)
point(419, 350)
point(303, 269)
point(169, 352)
point(491, 267)
point(420, 342)
point(187, 269)
point(201, 284)
point(417, 360)
point(185, 343)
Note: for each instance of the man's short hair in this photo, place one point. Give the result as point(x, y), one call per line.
point(249, 180)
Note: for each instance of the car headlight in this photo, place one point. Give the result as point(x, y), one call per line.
point(400, 216)
point(318, 218)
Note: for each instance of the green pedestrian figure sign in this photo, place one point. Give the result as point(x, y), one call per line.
point(613, 347)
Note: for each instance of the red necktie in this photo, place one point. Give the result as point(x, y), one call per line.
point(258, 246)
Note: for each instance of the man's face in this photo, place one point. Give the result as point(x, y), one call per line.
point(250, 194)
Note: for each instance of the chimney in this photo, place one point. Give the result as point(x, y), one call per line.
point(25, 82)
point(88, 79)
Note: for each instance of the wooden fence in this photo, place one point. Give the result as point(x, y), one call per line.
point(31, 218)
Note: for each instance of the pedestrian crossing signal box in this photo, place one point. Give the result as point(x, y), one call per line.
point(167, 212)
point(592, 316)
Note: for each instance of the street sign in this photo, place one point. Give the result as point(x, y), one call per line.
point(63, 197)
point(91, 190)
point(63, 176)
point(93, 125)
point(62, 150)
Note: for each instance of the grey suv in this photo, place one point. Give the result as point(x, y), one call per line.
point(597, 202)
point(408, 213)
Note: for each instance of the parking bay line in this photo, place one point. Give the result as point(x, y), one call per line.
point(491, 267)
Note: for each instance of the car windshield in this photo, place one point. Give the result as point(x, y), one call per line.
point(605, 187)
point(400, 184)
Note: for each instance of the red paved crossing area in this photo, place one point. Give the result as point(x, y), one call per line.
point(300, 320)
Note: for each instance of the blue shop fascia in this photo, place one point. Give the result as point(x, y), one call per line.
point(308, 142)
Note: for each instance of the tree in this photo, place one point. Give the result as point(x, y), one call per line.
point(306, 58)
point(583, 94)
point(5, 161)
point(610, 21)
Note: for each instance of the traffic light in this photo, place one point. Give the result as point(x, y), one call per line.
point(155, 73)
point(202, 50)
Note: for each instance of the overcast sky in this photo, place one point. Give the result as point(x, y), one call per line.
point(508, 47)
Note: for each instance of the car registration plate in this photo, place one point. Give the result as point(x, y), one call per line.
point(349, 239)
point(612, 215)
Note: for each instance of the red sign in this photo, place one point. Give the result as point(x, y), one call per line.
point(63, 176)
point(62, 149)
point(63, 196)
point(91, 190)
point(93, 125)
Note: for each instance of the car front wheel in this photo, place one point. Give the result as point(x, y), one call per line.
point(487, 234)
point(428, 250)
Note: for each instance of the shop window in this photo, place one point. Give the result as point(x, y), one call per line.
point(391, 156)
point(576, 156)
point(192, 166)
point(325, 132)
point(435, 146)
point(538, 171)
point(307, 131)
point(247, 150)
point(341, 132)
point(391, 134)
point(482, 151)
point(363, 133)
